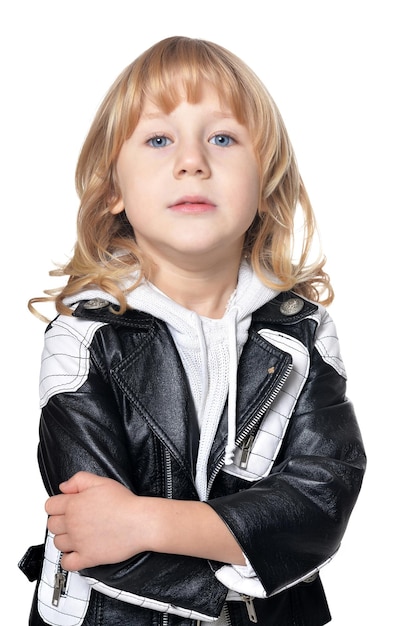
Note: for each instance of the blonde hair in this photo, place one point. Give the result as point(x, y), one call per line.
point(105, 253)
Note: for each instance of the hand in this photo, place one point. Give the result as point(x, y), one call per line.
point(94, 521)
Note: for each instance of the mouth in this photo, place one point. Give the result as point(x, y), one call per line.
point(192, 204)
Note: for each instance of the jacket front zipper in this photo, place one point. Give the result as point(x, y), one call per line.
point(60, 584)
point(250, 607)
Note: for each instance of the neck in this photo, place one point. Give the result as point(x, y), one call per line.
point(205, 292)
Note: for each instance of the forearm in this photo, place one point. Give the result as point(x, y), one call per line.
point(189, 528)
point(98, 521)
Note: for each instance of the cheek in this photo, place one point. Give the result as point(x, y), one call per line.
point(134, 192)
point(252, 190)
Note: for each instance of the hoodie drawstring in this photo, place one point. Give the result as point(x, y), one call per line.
point(231, 404)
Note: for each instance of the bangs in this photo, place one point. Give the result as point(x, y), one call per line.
point(180, 67)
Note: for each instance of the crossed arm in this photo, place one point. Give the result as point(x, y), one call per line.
point(98, 521)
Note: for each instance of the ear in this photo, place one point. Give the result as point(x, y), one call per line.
point(118, 207)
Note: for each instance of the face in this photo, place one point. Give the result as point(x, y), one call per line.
point(189, 182)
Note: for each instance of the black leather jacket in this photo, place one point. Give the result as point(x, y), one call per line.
point(132, 420)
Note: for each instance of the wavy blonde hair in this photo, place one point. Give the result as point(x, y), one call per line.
point(106, 255)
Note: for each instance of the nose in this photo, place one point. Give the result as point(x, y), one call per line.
point(191, 160)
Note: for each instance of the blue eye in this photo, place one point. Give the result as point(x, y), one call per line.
point(159, 141)
point(222, 140)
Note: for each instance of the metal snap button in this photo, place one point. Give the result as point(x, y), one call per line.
point(96, 303)
point(292, 306)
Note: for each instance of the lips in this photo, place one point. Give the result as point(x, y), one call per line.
point(192, 204)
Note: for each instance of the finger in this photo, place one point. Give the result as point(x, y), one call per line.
point(72, 562)
point(63, 543)
point(56, 505)
point(79, 482)
point(56, 524)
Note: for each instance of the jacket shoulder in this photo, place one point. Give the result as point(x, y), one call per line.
point(287, 308)
point(307, 321)
point(104, 311)
point(66, 352)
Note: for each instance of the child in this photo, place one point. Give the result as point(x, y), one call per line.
point(196, 441)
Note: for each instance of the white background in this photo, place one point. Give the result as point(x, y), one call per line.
point(343, 75)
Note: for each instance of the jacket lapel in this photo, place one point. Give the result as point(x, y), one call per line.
point(262, 367)
point(153, 379)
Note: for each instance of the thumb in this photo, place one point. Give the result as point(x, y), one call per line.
point(80, 482)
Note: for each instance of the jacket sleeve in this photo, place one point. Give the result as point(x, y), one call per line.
point(82, 429)
point(291, 523)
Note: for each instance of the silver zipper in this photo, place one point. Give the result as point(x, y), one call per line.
point(60, 583)
point(250, 607)
point(246, 448)
point(168, 494)
point(168, 474)
point(253, 422)
point(227, 614)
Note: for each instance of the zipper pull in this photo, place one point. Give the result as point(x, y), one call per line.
point(250, 607)
point(246, 448)
point(59, 586)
